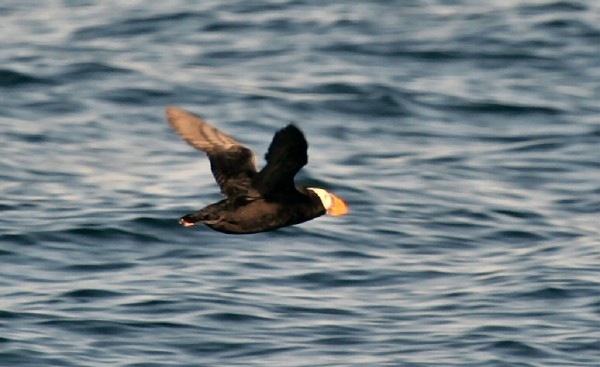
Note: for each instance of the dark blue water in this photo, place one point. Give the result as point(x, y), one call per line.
point(465, 136)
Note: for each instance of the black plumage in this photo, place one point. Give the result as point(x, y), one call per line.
point(255, 201)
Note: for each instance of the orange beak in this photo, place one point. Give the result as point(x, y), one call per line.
point(338, 206)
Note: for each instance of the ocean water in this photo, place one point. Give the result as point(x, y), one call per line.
point(465, 136)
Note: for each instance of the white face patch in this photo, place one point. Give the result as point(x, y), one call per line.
point(324, 196)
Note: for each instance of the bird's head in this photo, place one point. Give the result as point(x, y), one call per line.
point(333, 204)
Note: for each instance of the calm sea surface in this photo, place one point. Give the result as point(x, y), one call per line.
point(465, 136)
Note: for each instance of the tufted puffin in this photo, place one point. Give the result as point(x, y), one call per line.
point(255, 201)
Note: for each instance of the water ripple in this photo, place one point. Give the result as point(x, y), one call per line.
point(464, 137)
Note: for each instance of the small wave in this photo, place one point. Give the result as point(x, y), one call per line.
point(132, 27)
point(89, 294)
point(537, 145)
point(365, 100)
point(9, 315)
point(136, 96)
point(344, 278)
point(156, 307)
point(515, 234)
point(86, 233)
point(502, 108)
point(155, 222)
point(519, 214)
point(10, 79)
point(548, 293)
point(300, 310)
point(19, 239)
point(224, 26)
point(105, 232)
point(348, 254)
point(29, 357)
point(556, 7)
point(109, 327)
point(91, 327)
point(89, 70)
point(237, 56)
point(340, 340)
point(217, 347)
point(56, 106)
point(6, 253)
point(235, 317)
point(517, 348)
point(93, 268)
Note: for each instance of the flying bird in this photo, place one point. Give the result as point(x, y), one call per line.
point(255, 201)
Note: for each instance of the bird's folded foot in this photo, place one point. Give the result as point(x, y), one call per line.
point(186, 222)
point(203, 216)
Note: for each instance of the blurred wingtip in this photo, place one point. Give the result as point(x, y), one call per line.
point(172, 111)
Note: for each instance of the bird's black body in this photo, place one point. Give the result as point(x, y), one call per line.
point(256, 201)
point(255, 215)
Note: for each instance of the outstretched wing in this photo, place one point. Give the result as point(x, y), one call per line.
point(232, 164)
point(287, 154)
